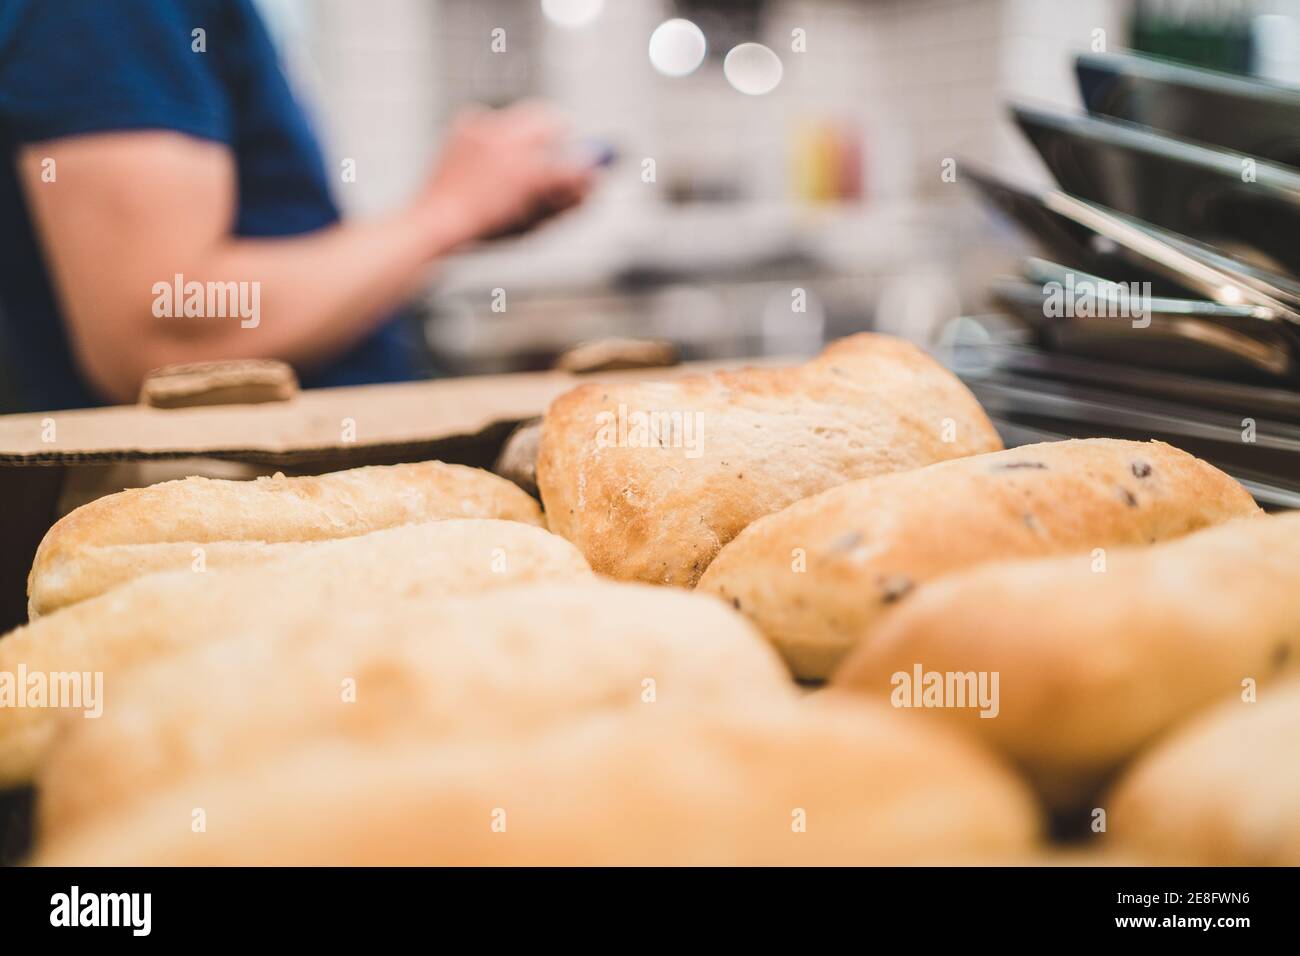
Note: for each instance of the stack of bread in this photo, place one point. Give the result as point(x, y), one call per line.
point(733, 637)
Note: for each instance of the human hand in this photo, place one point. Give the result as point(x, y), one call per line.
point(502, 172)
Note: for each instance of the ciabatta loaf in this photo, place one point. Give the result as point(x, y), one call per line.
point(219, 523)
point(801, 783)
point(817, 576)
point(1097, 657)
point(162, 613)
point(649, 480)
point(1222, 791)
point(502, 663)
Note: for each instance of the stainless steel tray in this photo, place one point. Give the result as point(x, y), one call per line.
point(1109, 244)
point(1233, 112)
point(1246, 208)
point(1251, 432)
point(1190, 335)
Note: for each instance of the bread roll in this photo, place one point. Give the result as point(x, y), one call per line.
point(161, 613)
point(657, 786)
point(1096, 660)
point(817, 576)
point(122, 536)
point(506, 662)
point(1222, 791)
point(735, 446)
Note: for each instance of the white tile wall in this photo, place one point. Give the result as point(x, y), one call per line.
point(924, 80)
point(376, 94)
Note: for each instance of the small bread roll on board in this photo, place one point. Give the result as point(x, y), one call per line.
point(502, 663)
point(119, 537)
point(1223, 790)
point(817, 577)
point(649, 480)
point(159, 614)
point(840, 782)
point(1095, 661)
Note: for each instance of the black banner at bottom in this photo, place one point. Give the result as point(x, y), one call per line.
point(333, 906)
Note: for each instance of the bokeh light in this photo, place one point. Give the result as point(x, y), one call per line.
point(572, 13)
point(677, 47)
point(753, 69)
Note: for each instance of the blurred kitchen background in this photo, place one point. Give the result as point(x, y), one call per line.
point(843, 182)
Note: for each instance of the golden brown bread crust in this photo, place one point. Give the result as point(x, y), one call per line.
point(865, 545)
point(659, 785)
point(160, 614)
point(1094, 665)
point(504, 663)
point(122, 536)
point(1224, 790)
point(869, 404)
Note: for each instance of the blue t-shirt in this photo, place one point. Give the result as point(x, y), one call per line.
point(69, 67)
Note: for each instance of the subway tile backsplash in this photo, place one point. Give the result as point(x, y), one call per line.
point(922, 79)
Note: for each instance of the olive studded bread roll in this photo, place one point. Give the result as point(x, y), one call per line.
point(1224, 790)
point(1096, 659)
point(818, 576)
point(649, 480)
point(800, 783)
point(497, 664)
point(122, 536)
point(159, 614)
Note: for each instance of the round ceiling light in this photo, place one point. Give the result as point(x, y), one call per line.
point(572, 13)
point(753, 69)
point(677, 47)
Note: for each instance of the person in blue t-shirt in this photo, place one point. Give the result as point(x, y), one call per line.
point(162, 200)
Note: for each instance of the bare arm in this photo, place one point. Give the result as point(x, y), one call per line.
point(131, 209)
